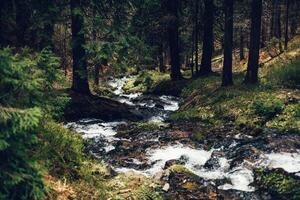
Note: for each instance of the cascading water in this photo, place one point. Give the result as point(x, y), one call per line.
point(195, 158)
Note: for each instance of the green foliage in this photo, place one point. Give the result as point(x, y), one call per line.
point(26, 83)
point(286, 75)
point(137, 127)
point(19, 175)
point(145, 81)
point(198, 137)
point(280, 185)
point(60, 150)
point(26, 78)
point(290, 118)
point(50, 70)
point(267, 108)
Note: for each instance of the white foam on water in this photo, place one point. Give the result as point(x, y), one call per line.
point(290, 162)
point(170, 103)
point(118, 84)
point(105, 129)
point(160, 156)
point(240, 179)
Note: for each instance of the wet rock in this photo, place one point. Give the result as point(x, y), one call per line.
point(173, 162)
point(159, 106)
point(212, 163)
point(166, 187)
point(169, 87)
point(91, 106)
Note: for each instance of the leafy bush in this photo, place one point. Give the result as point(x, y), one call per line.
point(19, 175)
point(281, 186)
point(26, 81)
point(60, 150)
point(287, 75)
point(267, 108)
point(289, 120)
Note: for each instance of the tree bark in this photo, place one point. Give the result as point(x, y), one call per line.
point(197, 36)
point(173, 34)
point(162, 67)
point(286, 35)
point(207, 50)
point(294, 17)
point(242, 54)
point(228, 42)
point(278, 34)
point(22, 23)
point(80, 76)
point(253, 61)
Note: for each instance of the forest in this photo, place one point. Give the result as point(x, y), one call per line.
point(150, 99)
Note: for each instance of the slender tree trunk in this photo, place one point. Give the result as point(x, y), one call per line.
point(286, 35)
point(293, 17)
point(278, 34)
point(242, 54)
point(98, 63)
point(161, 59)
point(80, 75)
point(273, 19)
point(253, 62)
point(208, 42)
point(22, 22)
point(173, 34)
point(263, 36)
point(97, 77)
point(197, 36)
point(192, 56)
point(228, 41)
point(2, 38)
point(65, 49)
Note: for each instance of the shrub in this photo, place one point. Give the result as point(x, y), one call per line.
point(281, 186)
point(287, 75)
point(60, 150)
point(267, 108)
point(26, 81)
point(19, 174)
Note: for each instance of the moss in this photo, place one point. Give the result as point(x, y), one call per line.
point(145, 81)
point(137, 127)
point(253, 106)
point(180, 169)
point(198, 137)
point(279, 184)
point(190, 186)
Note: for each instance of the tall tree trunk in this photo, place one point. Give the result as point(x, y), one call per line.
point(263, 36)
point(294, 17)
point(197, 35)
point(80, 75)
point(278, 34)
point(273, 14)
point(193, 50)
point(98, 63)
point(242, 54)
point(253, 61)
point(208, 42)
point(22, 22)
point(228, 41)
point(2, 40)
point(162, 67)
point(173, 34)
point(286, 34)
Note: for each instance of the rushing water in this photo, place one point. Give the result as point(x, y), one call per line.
point(240, 176)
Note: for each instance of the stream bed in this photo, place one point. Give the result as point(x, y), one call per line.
point(226, 158)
